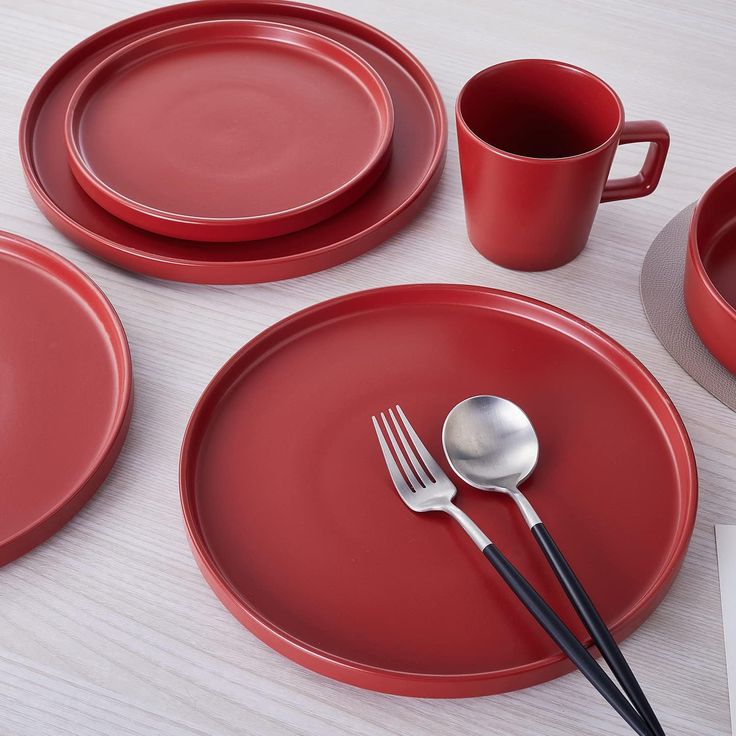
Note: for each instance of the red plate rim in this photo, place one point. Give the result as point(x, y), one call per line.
point(413, 683)
point(141, 21)
point(55, 517)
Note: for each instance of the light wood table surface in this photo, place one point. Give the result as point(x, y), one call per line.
point(108, 628)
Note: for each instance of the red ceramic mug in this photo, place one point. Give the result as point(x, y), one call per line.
point(536, 140)
point(710, 270)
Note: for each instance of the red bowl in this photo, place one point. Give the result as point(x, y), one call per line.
point(710, 270)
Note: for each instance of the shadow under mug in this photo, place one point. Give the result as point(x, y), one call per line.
point(536, 141)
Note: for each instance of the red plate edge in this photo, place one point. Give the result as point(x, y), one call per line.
point(266, 269)
point(421, 684)
point(57, 517)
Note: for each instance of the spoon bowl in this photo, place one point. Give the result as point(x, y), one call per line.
point(490, 443)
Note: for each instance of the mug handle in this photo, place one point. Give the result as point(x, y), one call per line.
point(645, 182)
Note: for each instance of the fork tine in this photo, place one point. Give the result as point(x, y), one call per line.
point(429, 462)
point(411, 477)
point(410, 452)
point(393, 469)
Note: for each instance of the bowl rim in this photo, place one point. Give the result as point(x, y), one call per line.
point(693, 246)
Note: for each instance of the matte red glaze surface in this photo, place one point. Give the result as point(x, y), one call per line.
point(417, 157)
point(296, 526)
point(536, 141)
point(65, 392)
point(229, 130)
point(710, 270)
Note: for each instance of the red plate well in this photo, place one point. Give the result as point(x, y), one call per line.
point(229, 130)
point(417, 156)
point(296, 526)
point(65, 392)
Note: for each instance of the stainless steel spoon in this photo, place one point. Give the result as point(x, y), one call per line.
point(491, 444)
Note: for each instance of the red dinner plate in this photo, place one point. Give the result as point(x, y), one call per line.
point(65, 392)
point(417, 156)
point(295, 524)
point(229, 130)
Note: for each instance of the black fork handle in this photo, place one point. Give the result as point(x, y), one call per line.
point(565, 639)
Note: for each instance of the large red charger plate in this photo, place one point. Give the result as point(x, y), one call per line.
point(418, 153)
point(295, 524)
point(65, 392)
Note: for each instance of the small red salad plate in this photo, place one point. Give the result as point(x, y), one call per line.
point(295, 524)
point(65, 392)
point(417, 156)
point(229, 130)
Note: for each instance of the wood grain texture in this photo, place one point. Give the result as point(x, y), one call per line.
point(109, 628)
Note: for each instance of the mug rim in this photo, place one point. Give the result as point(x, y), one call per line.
point(693, 243)
point(460, 118)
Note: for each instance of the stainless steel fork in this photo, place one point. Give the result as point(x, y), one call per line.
point(423, 486)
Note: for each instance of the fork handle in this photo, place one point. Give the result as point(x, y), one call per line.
point(596, 627)
point(564, 638)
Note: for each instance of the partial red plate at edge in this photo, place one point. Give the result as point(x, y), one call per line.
point(417, 158)
point(65, 392)
point(294, 522)
point(229, 130)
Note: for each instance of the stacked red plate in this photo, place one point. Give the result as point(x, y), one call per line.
point(233, 143)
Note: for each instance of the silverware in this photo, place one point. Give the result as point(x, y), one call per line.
point(431, 490)
point(491, 444)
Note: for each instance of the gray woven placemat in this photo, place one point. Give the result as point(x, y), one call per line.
point(662, 294)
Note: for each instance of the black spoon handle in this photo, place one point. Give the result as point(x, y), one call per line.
point(596, 627)
point(565, 639)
